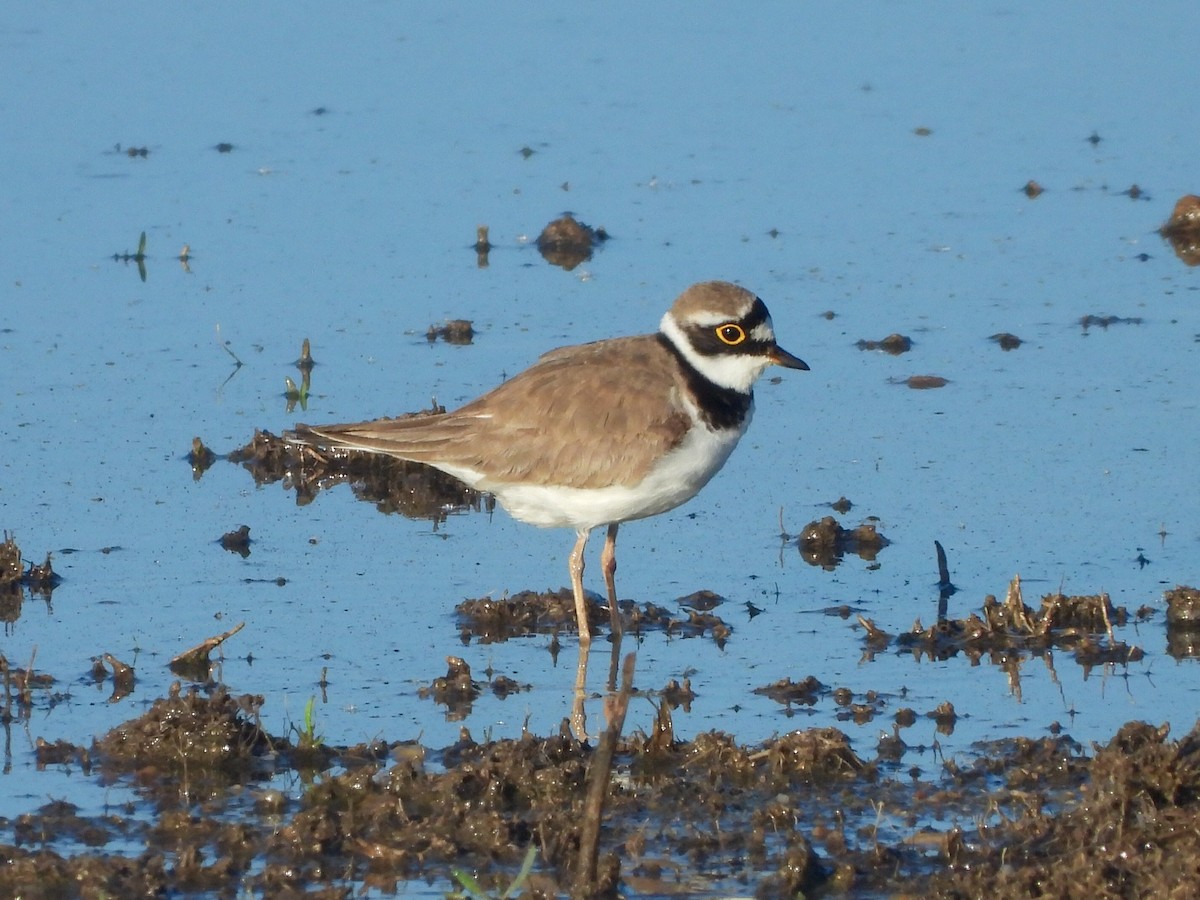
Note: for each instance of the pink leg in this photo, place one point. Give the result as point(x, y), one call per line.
point(608, 562)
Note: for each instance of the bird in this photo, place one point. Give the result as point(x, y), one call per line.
point(602, 433)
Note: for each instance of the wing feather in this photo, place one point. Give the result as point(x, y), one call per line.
point(582, 417)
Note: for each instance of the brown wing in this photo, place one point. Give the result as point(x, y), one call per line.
point(585, 416)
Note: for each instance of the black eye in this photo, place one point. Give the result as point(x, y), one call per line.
point(731, 334)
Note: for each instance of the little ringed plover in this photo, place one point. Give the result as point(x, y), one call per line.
point(600, 433)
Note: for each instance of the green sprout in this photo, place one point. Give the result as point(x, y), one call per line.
point(309, 739)
point(472, 888)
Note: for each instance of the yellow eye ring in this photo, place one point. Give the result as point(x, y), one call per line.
point(731, 334)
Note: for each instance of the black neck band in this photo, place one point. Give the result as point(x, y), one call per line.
point(720, 407)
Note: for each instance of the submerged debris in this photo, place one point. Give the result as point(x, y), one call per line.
point(18, 686)
point(922, 382)
point(894, 344)
point(1090, 321)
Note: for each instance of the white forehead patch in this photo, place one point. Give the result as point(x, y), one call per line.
point(763, 331)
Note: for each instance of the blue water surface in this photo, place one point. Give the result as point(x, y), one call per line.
point(859, 166)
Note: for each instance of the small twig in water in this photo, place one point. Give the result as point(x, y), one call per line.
point(225, 345)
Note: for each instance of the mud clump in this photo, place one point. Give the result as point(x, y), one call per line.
point(805, 692)
point(456, 331)
point(457, 690)
point(393, 485)
point(825, 542)
point(200, 457)
point(566, 242)
point(188, 730)
point(11, 568)
point(482, 246)
point(1183, 622)
point(1080, 624)
point(1183, 606)
point(895, 344)
point(1006, 340)
point(1182, 229)
point(492, 620)
point(14, 578)
point(237, 541)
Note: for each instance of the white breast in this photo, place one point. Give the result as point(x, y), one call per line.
point(674, 480)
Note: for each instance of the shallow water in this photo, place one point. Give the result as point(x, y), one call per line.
point(779, 150)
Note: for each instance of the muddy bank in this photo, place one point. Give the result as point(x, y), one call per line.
point(222, 806)
point(225, 807)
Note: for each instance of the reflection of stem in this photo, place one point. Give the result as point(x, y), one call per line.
point(225, 345)
point(612, 662)
point(1012, 667)
point(1103, 601)
point(578, 714)
point(598, 779)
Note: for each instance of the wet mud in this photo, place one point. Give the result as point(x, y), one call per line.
point(489, 620)
point(223, 807)
point(800, 813)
